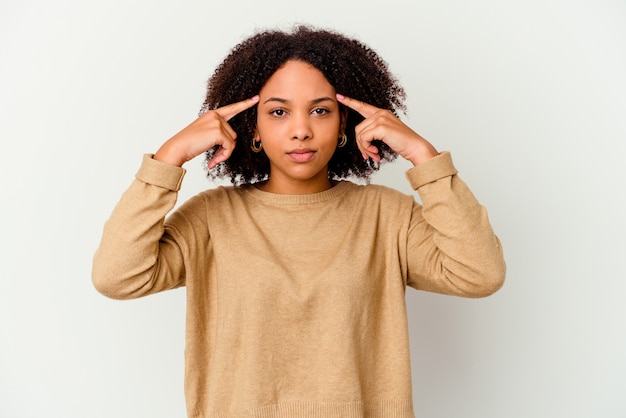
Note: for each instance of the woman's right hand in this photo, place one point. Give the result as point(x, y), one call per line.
point(209, 130)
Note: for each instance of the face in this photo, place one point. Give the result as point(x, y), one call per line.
point(298, 124)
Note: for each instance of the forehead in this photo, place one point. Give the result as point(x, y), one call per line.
point(297, 78)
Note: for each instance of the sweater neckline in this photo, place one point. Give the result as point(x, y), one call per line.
point(299, 199)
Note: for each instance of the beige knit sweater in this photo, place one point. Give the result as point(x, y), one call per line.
point(295, 303)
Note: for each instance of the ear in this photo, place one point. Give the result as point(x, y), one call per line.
point(343, 119)
point(255, 136)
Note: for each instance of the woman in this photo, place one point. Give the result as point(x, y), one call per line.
point(295, 277)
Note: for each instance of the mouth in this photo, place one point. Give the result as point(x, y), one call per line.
point(301, 155)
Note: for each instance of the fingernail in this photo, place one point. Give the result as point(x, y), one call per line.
point(340, 96)
point(364, 155)
point(255, 98)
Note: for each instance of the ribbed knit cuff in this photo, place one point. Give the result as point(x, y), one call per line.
point(432, 170)
point(160, 174)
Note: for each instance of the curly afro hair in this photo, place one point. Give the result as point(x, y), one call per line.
point(351, 67)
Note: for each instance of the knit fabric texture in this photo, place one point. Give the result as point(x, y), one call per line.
point(296, 303)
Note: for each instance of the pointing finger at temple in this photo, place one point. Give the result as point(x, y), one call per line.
point(364, 109)
point(230, 111)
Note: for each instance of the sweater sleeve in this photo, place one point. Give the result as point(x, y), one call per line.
point(138, 255)
point(452, 248)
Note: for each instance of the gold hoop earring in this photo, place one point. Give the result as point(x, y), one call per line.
point(343, 140)
point(256, 146)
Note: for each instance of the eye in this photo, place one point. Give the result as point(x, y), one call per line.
point(320, 111)
point(278, 112)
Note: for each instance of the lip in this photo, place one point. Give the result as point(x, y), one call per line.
point(301, 155)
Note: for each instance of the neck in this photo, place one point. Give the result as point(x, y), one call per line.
point(294, 187)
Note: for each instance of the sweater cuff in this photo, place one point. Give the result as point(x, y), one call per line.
point(160, 174)
point(432, 170)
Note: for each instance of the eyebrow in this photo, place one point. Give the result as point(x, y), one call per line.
point(314, 101)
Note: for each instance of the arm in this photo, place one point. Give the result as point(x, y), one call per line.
point(452, 247)
point(140, 253)
point(137, 254)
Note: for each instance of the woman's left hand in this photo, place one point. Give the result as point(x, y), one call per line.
point(383, 125)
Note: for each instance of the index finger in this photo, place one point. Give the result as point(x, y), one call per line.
point(230, 111)
point(366, 110)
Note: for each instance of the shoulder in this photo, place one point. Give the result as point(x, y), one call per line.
point(382, 193)
point(385, 209)
point(212, 204)
point(222, 195)
point(382, 201)
point(218, 196)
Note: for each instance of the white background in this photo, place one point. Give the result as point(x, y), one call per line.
point(530, 97)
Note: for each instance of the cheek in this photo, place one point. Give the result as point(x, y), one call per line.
point(267, 126)
point(330, 127)
point(263, 132)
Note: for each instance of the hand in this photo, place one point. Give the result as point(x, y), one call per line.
point(209, 130)
point(385, 126)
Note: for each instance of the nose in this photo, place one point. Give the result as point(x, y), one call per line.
point(301, 127)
